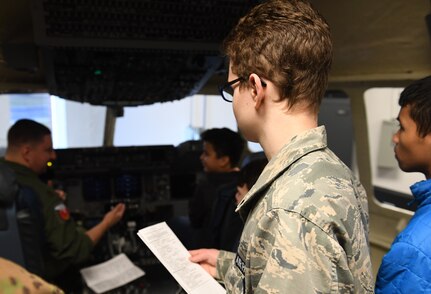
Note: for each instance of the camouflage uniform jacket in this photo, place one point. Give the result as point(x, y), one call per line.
point(16, 279)
point(306, 227)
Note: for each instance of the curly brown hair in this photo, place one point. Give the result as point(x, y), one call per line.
point(286, 42)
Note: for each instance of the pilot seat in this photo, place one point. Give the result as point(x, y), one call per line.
point(21, 223)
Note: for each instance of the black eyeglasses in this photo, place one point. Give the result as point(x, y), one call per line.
point(226, 91)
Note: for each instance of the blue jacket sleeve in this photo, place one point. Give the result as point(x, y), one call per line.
point(404, 269)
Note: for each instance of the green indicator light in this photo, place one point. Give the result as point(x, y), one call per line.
point(97, 72)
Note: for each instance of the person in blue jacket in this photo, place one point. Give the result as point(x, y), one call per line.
point(406, 268)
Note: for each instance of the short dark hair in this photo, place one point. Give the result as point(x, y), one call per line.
point(287, 42)
point(225, 143)
point(251, 171)
point(418, 96)
point(26, 131)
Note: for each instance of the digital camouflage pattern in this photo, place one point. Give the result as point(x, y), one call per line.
point(306, 226)
point(16, 280)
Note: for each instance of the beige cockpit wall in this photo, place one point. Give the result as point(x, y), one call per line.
point(376, 44)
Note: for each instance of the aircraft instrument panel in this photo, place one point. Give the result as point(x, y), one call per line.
point(155, 183)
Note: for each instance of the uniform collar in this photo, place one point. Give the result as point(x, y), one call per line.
point(422, 191)
point(300, 145)
point(19, 168)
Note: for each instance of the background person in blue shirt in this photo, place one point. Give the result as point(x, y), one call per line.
point(406, 268)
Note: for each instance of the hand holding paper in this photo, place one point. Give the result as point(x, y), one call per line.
point(174, 256)
point(207, 258)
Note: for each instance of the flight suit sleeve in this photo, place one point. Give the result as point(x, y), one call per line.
point(66, 241)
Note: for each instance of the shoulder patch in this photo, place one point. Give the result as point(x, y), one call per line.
point(62, 211)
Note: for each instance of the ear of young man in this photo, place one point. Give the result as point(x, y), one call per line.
point(257, 90)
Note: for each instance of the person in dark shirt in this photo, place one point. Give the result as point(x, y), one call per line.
point(222, 150)
point(226, 223)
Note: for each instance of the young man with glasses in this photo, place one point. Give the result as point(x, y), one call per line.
point(306, 228)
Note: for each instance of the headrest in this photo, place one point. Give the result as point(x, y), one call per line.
point(8, 185)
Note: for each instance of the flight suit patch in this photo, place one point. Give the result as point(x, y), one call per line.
point(62, 211)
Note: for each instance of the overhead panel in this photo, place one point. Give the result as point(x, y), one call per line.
point(132, 52)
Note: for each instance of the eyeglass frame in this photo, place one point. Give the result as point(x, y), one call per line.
point(228, 85)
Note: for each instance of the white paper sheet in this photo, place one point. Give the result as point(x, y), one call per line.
point(111, 274)
point(174, 256)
